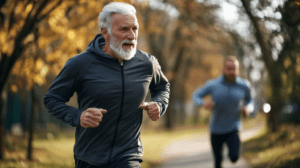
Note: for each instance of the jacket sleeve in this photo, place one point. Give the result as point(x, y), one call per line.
point(159, 87)
point(60, 92)
point(202, 92)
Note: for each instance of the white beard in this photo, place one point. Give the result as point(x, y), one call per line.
point(118, 50)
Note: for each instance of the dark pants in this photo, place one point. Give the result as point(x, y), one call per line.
point(233, 143)
point(122, 163)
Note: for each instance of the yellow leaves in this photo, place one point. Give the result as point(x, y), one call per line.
point(19, 8)
point(6, 43)
point(59, 13)
point(5, 48)
point(56, 25)
point(28, 8)
point(39, 80)
point(59, 29)
point(52, 21)
point(71, 34)
point(287, 62)
point(82, 1)
point(44, 71)
point(14, 88)
point(34, 71)
point(298, 66)
point(46, 38)
point(80, 43)
point(54, 56)
point(39, 64)
point(143, 3)
point(92, 3)
point(81, 10)
point(16, 68)
point(216, 64)
point(42, 42)
point(41, 68)
point(13, 32)
point(57, 21)
point(3, 37)
point(92, 25)
point(29, 38)
point(215, 72)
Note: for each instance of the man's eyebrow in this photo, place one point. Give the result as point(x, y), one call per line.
point(124, 26)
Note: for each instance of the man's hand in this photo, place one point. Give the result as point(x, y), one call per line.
point(245, 112)
point(152, 109)
point(91, 117)
point(208, 104)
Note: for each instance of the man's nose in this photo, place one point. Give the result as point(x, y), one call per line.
point(131, 34)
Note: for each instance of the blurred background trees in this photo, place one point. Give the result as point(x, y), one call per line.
point(189, 38)
point(276, 30)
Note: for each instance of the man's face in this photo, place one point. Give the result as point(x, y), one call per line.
point(123, 36)
point(231, 70)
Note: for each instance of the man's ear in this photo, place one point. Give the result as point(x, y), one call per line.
point(104, 32)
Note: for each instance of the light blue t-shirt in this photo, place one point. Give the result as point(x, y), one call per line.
point(228, 99)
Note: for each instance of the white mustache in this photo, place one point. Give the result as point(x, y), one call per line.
point(129, 41)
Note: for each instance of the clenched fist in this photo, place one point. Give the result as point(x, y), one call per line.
point(208, 104)
point(245, 112)
point(91, 117)
point(152, 109)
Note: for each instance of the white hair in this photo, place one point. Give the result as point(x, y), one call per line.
point(110, 9)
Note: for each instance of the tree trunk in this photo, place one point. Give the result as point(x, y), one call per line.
point(276, 100)
point(273, 70)
point(169, 123)
point(182, 112)
point(1, 129)
point(31, 126)
point(173, 89)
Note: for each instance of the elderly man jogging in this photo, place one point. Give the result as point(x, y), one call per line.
point(111, 79)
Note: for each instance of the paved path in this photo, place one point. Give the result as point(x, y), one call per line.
point(195, 152)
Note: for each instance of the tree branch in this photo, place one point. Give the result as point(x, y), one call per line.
point(47, 14)
point(11, 18)
point(266, 51)
point(85, 22)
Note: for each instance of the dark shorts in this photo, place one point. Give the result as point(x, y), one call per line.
point(119, 163)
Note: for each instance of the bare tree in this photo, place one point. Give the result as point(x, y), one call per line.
point(275, 67)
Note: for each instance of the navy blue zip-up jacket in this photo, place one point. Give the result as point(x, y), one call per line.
point(100, 81)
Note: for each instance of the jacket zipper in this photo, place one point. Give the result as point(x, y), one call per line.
point(120, 114)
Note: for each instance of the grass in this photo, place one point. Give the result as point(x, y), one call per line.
point(57, 150)
point(47, 153)
point(275, 150)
